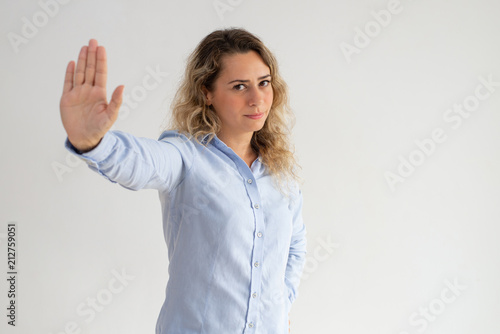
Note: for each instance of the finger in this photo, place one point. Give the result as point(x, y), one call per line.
point(80, 67)
point(91, 62)
point(68, 79)
point(116, 101)
point(101, 71)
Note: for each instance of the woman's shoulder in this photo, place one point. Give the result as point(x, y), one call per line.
point(173, 136)
point(182, 141)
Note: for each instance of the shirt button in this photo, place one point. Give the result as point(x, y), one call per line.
point(250, 325)
point(256, 206)
point(259, 234)
point(256, 264)
point(254, 295)
point(249, 180)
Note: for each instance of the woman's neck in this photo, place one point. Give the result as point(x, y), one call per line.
point(241, 145)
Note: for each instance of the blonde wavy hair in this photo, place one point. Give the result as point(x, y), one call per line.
point(192, 116)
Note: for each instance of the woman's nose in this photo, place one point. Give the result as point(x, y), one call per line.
point(255, 97)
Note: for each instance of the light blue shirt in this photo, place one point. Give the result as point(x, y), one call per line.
point(236, 245)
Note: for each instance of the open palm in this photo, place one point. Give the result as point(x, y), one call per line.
point(85, 112)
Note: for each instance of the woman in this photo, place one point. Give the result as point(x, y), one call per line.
point(232, 209)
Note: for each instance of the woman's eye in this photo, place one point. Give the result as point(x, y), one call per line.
point(265, 83)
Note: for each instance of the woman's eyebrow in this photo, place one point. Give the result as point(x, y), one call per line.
point(239, 80)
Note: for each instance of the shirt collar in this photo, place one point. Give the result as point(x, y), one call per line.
point(220, 144)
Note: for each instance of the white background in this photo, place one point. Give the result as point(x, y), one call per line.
point(378, 257)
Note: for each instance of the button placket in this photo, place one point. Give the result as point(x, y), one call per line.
point(250, 184)
point(256, 272)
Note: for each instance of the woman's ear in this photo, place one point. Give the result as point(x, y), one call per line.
point(207, 95)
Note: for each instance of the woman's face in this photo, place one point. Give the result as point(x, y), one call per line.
point(242, 94)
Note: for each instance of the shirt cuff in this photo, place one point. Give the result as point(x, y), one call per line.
point(98, 153)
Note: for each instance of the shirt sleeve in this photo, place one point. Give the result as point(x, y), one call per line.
point(297, 252)
point(140, 163)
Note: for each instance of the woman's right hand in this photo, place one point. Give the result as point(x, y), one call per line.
point(85, 112)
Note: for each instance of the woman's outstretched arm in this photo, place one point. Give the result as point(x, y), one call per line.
point(133, 162)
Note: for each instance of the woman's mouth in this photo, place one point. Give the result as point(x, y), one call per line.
point(255, 116)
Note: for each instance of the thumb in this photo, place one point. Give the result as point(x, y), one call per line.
point(116, 100)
